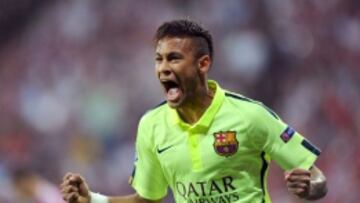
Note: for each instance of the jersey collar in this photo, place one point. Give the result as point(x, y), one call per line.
point(204, 122)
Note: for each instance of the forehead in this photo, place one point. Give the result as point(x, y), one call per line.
point(174, 44)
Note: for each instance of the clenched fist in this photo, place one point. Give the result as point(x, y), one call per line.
point(298, 182)
point(74, 189)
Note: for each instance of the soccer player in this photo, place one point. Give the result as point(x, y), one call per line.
point(206, 143)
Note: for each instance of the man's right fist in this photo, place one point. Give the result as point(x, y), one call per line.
point(74, 189)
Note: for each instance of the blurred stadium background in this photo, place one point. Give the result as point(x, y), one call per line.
point(76, 75)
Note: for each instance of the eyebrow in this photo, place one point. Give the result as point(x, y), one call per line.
point(171, 54)
point(175, 55)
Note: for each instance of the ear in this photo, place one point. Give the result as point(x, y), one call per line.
point(204, 63)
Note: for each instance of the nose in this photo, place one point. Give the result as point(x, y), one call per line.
point(163, 69)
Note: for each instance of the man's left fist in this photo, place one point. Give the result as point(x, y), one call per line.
point(298, 182)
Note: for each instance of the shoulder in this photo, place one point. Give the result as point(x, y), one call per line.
point(147, 123)
point(153, 114)
point(248, 107)
point(238, 100)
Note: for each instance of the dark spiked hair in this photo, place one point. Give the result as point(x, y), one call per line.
point(188, 28)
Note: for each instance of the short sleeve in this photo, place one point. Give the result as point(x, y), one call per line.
point(285, 146)
point(147, 178)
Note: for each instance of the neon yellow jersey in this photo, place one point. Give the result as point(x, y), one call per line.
point(222, 158)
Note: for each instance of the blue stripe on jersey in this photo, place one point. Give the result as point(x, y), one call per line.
point(162, 103)
point(310, 147)
point(228, 94)
point(262, 175)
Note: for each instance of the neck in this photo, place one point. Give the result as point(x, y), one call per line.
point(192, 111)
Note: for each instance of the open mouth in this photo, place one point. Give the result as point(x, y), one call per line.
point(169, 84)
point(172, 90)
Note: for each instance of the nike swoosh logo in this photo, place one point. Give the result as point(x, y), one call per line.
point(163, 149)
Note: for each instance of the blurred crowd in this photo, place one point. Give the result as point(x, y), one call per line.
point(77, 75)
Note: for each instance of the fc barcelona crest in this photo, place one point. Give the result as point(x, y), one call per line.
point(225, 143)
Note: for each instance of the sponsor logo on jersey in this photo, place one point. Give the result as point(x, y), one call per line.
point(225, 143)
point(287, 134)
point(214, 191)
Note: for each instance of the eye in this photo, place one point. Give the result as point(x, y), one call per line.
point(174, 58)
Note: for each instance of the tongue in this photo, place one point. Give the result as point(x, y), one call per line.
point(173, 94)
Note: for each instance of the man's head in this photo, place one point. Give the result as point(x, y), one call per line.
point(184, 54)
point(185, 28)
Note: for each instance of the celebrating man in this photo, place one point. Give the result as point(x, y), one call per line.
point(207, 144)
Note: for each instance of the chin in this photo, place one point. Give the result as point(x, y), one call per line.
point(175, 105)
